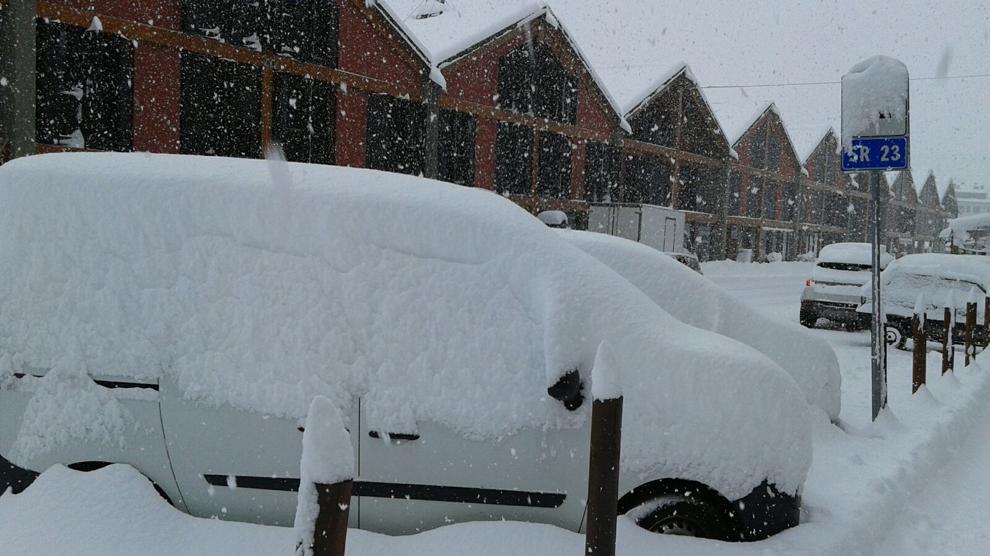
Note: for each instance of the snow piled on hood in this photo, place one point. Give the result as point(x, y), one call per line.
point(697, 301)
point(433, 302)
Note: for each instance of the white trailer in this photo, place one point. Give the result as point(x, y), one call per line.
point(659, 227)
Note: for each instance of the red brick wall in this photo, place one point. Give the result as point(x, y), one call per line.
point(156, 99)
point(375, 50)
point(352, 129)
point(484, 154)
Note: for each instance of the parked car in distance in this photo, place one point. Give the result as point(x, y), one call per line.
point(930, 283)
point(179, 314)
point(833, 291)
point(689, 260)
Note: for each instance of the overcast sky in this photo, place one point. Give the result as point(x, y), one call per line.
point(632, 43)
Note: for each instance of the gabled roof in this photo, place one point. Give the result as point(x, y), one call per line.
point(681, 70)
point(520, 24)
point(771, 109)
point(929, 192)
point(904, 187)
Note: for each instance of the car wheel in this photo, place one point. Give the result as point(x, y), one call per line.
point(90, 466)
point(894, 337)
point(685, 515)
point(808, 319)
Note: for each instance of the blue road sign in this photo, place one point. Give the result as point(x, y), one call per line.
point(876, 153)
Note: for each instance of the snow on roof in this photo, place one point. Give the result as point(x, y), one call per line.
point(262, 284)
point(418, 46)
point(852, 253)
point(771, 108)
point(697, 301)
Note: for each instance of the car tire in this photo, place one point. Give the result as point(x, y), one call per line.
point(808, 319)
point(895, 337)
point(686, 515)
point(90, 466)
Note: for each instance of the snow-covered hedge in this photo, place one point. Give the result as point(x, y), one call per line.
point(697, 301)
point(261, 284)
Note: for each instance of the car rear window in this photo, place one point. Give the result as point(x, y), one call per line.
point(844, 266)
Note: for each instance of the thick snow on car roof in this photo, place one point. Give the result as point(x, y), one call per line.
point(262, 284)
point(971, 268)
point(851, 253)
point(697, 301)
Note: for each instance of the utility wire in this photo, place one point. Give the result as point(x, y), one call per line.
point(814, 83)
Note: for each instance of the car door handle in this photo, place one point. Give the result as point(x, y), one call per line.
point(395, 435)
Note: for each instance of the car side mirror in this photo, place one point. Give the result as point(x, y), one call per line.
point(568, 389)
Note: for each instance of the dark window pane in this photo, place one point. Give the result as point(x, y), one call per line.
point(601, 172)
point(790, 202)
point(219, 107)
point(758, 149)
point(754, 197)
point(646, 180)
point(395, 134)
point(555, 166)
point(84, 85)
point(773, 155)
point(513, 159)
point(532, 81)
point(456, 147)
point(306, 30)
point(770, 200)
point(735, 185)
point(304, 112)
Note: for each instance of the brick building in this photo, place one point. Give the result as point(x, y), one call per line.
point(520, 112)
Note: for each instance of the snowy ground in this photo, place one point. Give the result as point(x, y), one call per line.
point(912, 484)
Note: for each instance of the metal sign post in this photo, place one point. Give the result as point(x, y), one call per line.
point(875, 124)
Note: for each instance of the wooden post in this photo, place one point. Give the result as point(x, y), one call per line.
point(920, 353)
point(330, 533)
point(947, 349)
point(603, 476)
point(970, 339)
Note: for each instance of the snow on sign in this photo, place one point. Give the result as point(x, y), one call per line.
point(875, 116)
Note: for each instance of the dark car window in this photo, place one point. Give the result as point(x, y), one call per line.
point(845, 266)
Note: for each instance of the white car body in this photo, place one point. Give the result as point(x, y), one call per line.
point(178, 314)
point(833, 292)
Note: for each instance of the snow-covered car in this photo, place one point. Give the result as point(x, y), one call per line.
point(929, 283)
point(833, 291)
point(179, 314)
point(699, 302)
point(689, 260)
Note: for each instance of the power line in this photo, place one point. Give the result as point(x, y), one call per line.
point(817, 83)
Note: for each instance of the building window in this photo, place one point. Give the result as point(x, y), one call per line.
point(306, 30)
point(770, 201)
point(758, 149)
point(455, 162)
point(601, 172)
point(754, 197)
point(395, 134)
point(735, 187)
point(773, 156)
point(219, 107)
point(304, 112)
point(513, 159)
point(85, 94)
point(555, 166)
point(790, 201)
point(646, 180)
point(532, 81)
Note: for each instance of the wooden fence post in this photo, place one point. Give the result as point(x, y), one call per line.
point(326, 479)
point(947, 349)
point(970, 338)
point(330, 533)
point(603, 476)
point(920, 352)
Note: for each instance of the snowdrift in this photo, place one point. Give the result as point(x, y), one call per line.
point(697, 301)
point(262, 284)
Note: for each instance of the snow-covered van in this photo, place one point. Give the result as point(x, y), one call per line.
point(179, 314)
point(699, 302)
point(928, 283)
point(832, 292)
